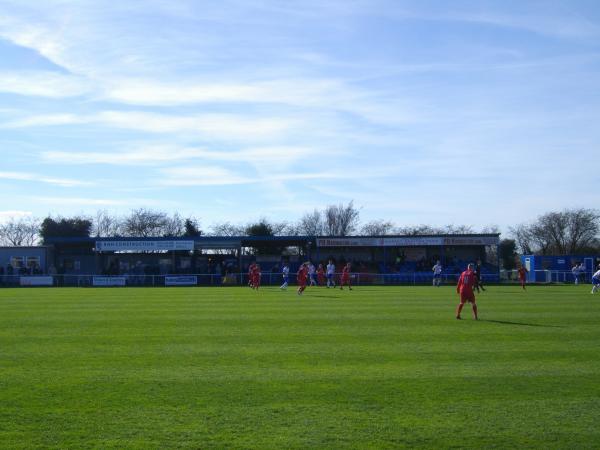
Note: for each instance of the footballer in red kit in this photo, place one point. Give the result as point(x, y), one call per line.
point(320, 275)
point(345, 279)
point(251, 275)
point(256, 277)
point(522, 276)
point(465, 285)
point(301, 277)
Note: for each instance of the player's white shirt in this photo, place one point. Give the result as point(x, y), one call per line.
point(311, 269)
point(285, 271)
point(597, 274)
point(437, 269)
point(575, 270)
point(330, 269)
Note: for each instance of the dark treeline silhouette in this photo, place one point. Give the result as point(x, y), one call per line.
point(571, 231)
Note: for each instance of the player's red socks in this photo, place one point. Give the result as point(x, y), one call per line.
point(459, 309)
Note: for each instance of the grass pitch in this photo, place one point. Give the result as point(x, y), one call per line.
point(379, 367)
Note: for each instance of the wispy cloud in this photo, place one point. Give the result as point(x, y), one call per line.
point(94, 202)
point(297, 103)
point(230, 126)
point(43, 84)
point(153, 154)
point(217, 175)
point(24, 176)
point(13, 214)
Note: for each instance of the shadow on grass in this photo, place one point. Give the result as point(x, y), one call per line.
point(324, 296)
point(505, 322)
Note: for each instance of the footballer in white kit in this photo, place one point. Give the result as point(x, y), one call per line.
point(285, 272)
point(311, 274)
point(437, 274)
point(330, 274)
point(596, 281)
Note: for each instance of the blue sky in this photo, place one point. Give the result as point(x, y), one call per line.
point(481, 112)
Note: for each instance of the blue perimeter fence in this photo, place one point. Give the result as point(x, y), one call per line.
point(273, 279)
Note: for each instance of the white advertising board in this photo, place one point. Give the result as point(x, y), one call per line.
point(415, 241)
point(143, 246)
point(36, 281)
point(181, 280)
point(109, 281)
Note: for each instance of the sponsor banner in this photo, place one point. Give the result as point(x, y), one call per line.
point(349, 242)
point(109, 281)
point(414, 241)
point(472, 240)
point(188, 280)
point(142, 246)
point(379, 242)
point(36, 281)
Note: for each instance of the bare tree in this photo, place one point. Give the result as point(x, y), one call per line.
point(227, 229)
point(570, 231)
point(174, 226)
point(419, 230)
point(104, 224)
point(283, 228)
point(145, 223)
point(491, 229)
point(377, 228)
point(457, 229)
point(341, 220)
point(583, 227)
point(23, 231)
point(311, 224)
point(523, 238)
point(416, 230)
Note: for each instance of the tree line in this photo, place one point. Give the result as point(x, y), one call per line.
point(571, 231)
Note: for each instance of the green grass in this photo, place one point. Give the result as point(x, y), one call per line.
point(379, 367)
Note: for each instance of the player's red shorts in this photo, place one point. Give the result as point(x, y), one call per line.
point(467, 297)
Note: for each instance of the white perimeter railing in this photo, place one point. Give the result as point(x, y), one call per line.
point(547, 276)
point(232, 279)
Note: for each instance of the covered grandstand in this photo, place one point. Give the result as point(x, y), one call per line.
point(220, 260)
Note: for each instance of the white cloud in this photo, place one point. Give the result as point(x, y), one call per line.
point(44, 120)
point(24, 176)
point(203, 176)
point(153, 154)
point(43, 84)
point(559, 25)
point(94, 202)
point(216, 175)
point(145, 155)
point(13, 214)
point(216, 126)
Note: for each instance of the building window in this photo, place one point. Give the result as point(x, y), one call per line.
point(17, 261)
point(33, 261)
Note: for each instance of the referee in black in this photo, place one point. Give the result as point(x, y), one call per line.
point(478, 282)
